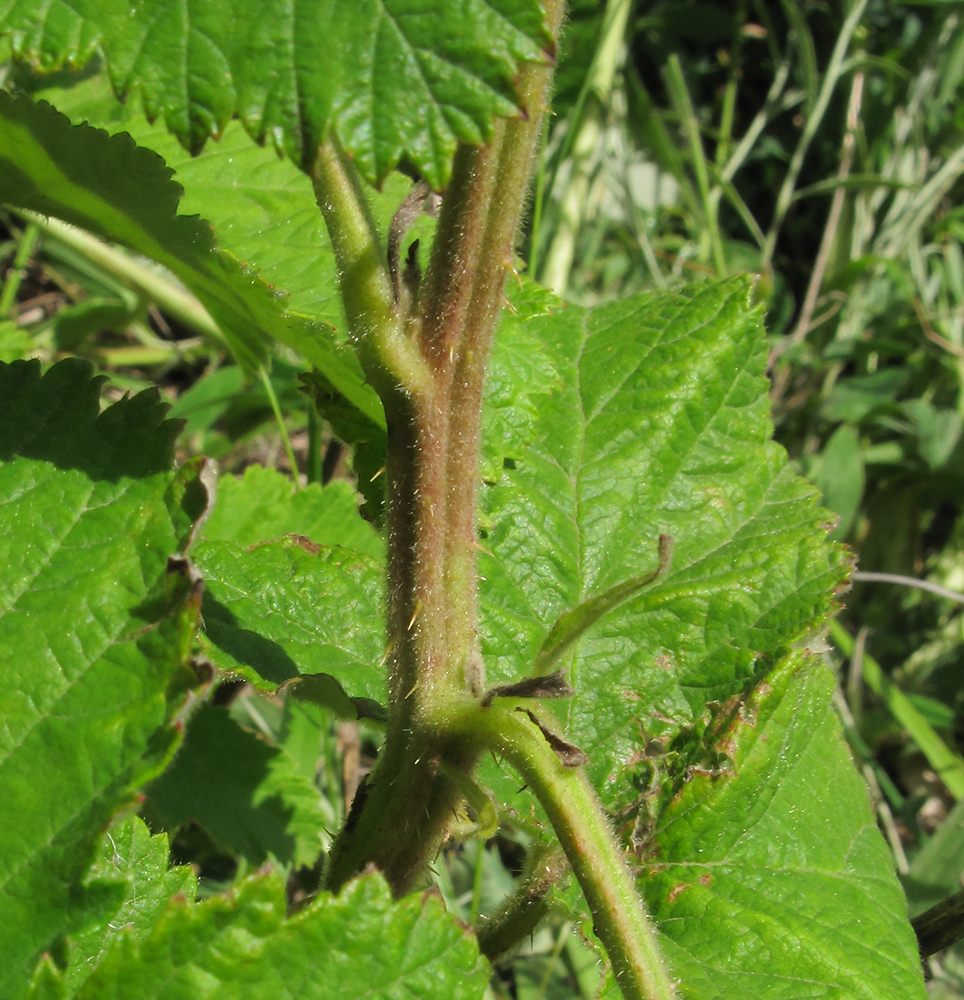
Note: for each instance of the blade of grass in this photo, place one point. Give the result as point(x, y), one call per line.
point(831, 77)
point(587, 137)
point(807, 52)
point(280, 420)
point(948, 765)
point(174, 301)
point(16, 274)
point(680, 96)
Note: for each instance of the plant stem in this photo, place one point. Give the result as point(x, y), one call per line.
point(280, 421)
point(687, 114)
point(436, 354)
point(619, 916)
point(941, 926)
point(389, 358)
point(429, 368)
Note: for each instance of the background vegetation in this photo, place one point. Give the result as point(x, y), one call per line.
point(819, 145)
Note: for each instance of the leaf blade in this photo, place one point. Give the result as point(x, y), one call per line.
point(96, 629)
point(394, 78)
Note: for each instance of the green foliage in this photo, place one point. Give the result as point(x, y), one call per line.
point(361, 944)
point(140, 863)
point(87, 709)
point(394, 79)
point(249, 797)
point(751, 874)
point(610, 432)
point(52, 167)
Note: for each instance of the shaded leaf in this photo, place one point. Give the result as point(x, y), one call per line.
point(251, 797)
point(124, 193)
point(95, 633)
point(841, 477)
point(261, 206)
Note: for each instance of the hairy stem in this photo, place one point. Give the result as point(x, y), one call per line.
point(391, 362)
point(619, 917)
point(432, 471)
point(426, 356)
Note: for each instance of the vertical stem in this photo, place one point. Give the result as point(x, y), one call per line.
point(313, 462)
point(280, 421)
point(428, 367)
point(684, 108)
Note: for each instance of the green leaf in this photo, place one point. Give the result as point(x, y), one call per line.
point(249, 796)
point(936, 871)
point(841, 477)
point(394, 77)
point(129, 853)
point(288, 608)
point(781, 856)
point(639, 443)
point(265, 505)
point(95, 634)
point(238, 944)
point(124, 193)
point(662, 428)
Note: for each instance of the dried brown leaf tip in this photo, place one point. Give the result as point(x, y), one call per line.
point(569, 754)
point(548, 686)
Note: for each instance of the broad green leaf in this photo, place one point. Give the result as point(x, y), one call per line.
point(95, 634)
point(249, 796)
point(124, 193)
point(239, 945)
point(661, 428)
point(288, 608)
point(395, 78)
point(128, 853)
point(780, 857)
point(840, 476)
point(264, 505)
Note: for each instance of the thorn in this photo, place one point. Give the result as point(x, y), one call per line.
point(509, 265)
point(389, 649)
point(415, 613)
point(377, 474)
